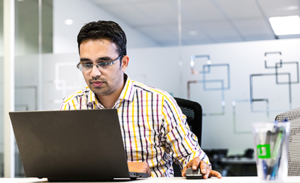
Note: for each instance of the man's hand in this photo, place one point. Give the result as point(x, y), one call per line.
point(205, 168)
point(141, 167)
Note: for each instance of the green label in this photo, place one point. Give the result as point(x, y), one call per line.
point(264, 151)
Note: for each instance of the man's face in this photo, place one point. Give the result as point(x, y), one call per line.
point(102, 81)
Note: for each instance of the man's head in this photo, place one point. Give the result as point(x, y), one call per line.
point(104, 30)
point(102, 45)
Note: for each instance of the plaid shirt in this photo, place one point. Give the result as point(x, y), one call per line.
point(154, 130)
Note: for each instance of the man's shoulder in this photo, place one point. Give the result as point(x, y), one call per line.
point(77, 95)
point(150, 89)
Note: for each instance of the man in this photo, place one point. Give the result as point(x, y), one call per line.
point(154, 130)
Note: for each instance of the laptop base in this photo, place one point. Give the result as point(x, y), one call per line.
point(90, 180)
point(79, 179)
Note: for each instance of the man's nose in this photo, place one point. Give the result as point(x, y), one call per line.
point(95, 71)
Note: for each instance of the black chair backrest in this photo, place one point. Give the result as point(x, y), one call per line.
point(193, 112)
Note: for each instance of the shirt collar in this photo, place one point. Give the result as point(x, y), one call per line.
point(128, 90)
point(92, 102)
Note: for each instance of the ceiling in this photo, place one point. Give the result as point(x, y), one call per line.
point(202, 21)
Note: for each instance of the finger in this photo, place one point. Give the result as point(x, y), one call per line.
point(203, 167)
point(214, 173)
point(207, 171)
point(183, 171)
point(189, 164)
point(186, 167)
point(196, 161)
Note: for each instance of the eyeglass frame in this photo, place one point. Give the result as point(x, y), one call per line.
point(97, 64)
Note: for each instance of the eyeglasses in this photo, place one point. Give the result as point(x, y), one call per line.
point(84, 67)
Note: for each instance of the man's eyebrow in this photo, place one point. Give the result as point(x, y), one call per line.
point(99, 59)
point(84, 60)
point(104, 58)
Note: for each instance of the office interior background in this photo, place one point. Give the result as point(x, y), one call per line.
point(222, 54)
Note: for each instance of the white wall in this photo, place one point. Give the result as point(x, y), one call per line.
point(161, 68)
point(82, 12)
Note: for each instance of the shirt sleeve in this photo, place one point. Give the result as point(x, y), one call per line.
point(181, 143)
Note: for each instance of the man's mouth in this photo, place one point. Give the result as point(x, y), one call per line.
point(97, 83)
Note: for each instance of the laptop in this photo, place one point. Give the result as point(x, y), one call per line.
point(76, 145)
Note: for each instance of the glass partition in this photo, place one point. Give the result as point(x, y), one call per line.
point(47, 52)
point(34, 37)
point(1, 92)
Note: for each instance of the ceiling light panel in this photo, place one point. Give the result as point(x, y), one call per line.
point(288, 25)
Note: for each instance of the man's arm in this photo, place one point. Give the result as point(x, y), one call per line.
point(182, 142)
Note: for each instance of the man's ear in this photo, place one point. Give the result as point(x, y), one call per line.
point(125, 62)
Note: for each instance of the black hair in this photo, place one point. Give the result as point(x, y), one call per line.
point(104, 30)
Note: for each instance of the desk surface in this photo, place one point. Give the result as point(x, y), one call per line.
point(291, 179)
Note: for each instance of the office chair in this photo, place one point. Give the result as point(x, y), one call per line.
point(193, 112)
point(294, 141)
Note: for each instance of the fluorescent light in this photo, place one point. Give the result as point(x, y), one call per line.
point(69, 22)
point(285, 25)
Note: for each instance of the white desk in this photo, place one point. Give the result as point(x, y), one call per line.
point(292, 179)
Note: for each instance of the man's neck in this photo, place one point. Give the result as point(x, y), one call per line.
point(108, 101)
